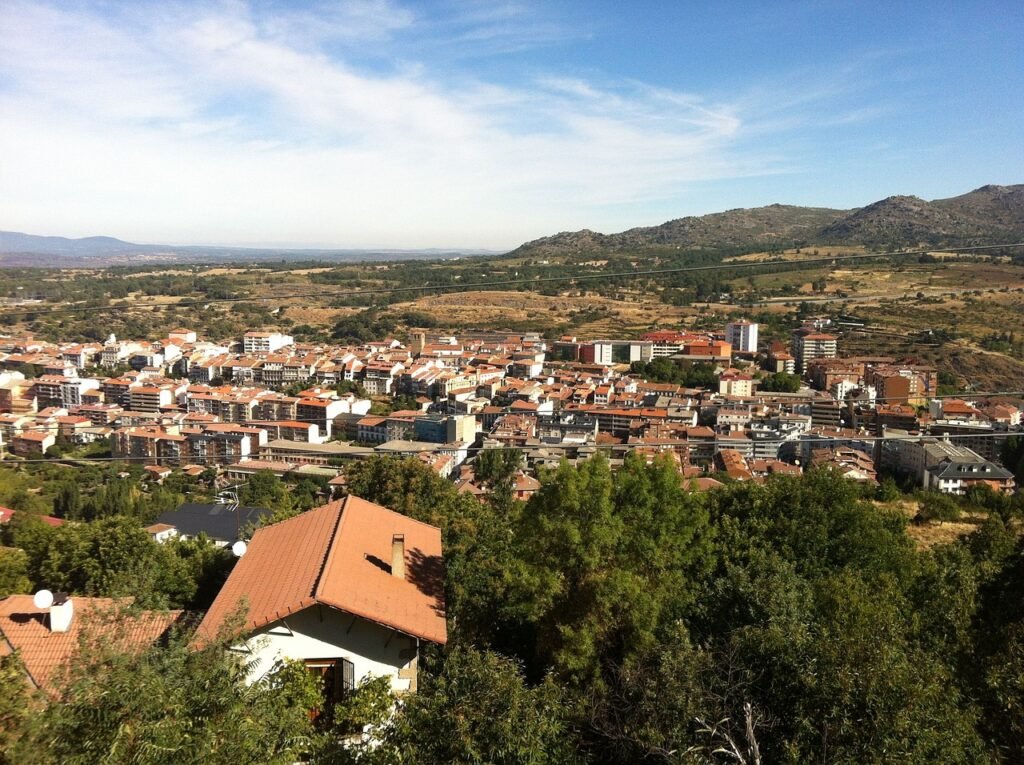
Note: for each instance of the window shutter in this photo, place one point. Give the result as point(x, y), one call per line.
point(348, 676)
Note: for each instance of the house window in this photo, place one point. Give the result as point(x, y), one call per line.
point(338, 680)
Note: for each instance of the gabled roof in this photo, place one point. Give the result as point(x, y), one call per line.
point(25, 628)
point(339, 555)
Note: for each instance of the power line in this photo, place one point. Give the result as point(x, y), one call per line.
point(794, 264)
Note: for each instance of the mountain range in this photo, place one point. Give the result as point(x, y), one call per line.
point(988, 215)
point(30, 250)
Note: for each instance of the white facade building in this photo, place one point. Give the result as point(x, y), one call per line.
point(265, 342)
point(742, 336)
point(350, 588)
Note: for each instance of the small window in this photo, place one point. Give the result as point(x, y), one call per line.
point(338, 680)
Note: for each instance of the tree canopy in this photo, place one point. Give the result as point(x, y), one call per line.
point(615, 617)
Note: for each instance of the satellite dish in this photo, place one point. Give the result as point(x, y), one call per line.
point(42, 599)
point(237, 549)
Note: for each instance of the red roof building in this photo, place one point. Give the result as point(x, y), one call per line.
point(46, 644)
point(350, 583)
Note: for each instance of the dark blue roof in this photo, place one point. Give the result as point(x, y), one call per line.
point(220, 523)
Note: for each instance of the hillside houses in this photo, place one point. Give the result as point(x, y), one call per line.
point(266, 399)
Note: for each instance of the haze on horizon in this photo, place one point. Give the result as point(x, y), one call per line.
point(382, 124)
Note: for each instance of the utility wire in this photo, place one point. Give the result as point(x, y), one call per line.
point(796, 264)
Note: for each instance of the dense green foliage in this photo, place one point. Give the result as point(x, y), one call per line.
point(114, 557)
point(795, 616)
point(171, 704)
point(617, 618)
point(687, 374)
point(780, 382)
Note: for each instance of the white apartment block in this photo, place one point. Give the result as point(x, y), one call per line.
point(812, 345)
point(742, 336)
point(265, 342)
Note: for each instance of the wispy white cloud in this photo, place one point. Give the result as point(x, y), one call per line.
point(242, 123)
point(358, 21)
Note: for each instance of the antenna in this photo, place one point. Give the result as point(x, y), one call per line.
point(42, 599)
point(237, 549)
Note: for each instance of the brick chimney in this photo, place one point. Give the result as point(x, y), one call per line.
point(398, 556)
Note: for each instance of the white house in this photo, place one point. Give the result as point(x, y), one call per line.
point(350, 588)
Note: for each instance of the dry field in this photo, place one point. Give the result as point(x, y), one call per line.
point(929, 535)
point(804, 253)
point(316, 316)
point(604, 316)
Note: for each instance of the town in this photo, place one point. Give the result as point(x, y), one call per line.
point(738, 409)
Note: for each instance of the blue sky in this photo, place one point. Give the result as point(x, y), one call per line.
point(377, 123)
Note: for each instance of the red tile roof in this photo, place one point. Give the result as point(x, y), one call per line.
point(6, 514)
point(338, 555)
point(25, 628)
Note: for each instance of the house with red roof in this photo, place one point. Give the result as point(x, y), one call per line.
point(47, 639)
point(6, 514)
point(351, 588)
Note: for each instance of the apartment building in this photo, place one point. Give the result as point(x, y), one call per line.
point(598, 352)
point(742, 336)
point(224, 443)
point(150, 398)
point(265, 342)
point(810, 344)
point(152, 445)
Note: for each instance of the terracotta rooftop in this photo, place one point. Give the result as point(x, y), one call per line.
point(25, 628)
point(337, 555)
point(6, 514)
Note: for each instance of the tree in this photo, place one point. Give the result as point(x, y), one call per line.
point(406, 486)
point(497, 468)
point(691, 375)
point(888, 491)
point(118, 497)
point(207, 565)
point(604, 560)
point(112, 557)
point(68, 501)
point(780, 382)
point(1012, 457)
point(264, 489)
point(652, 703)
point(16, 714)
point(175, 704)
point(935, 506)
point(13, 571)
point(479, 708)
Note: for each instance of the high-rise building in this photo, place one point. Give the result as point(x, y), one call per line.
point(809, 344)
point(742, 336)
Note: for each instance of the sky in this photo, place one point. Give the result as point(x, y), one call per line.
point(379, 123)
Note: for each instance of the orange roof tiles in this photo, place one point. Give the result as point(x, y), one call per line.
point(337, 555)
point(26, 629)
point(278, 573)
point(353, 582)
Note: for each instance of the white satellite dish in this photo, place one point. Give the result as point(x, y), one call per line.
point(238, 548)
point(42, 599)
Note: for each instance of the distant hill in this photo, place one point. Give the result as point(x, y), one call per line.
point(91, 246)
point(28, 250)
point(987, 215)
